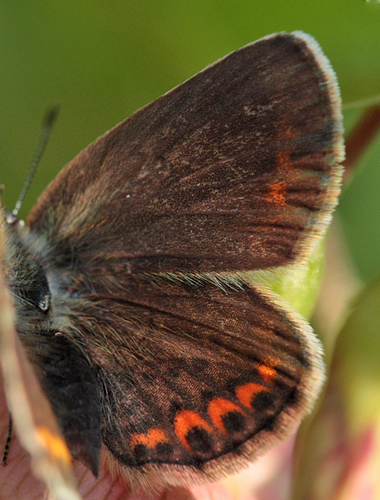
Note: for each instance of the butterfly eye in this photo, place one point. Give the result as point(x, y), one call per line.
point(28, 281)
point(44, 302)
point(31, 264)
point(38, 292)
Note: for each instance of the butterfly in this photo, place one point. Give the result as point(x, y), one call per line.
point(133, 313)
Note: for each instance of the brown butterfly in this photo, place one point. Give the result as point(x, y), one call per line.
point(128, 278)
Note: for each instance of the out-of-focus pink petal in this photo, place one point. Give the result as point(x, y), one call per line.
point(340, 459)
point(267, 479)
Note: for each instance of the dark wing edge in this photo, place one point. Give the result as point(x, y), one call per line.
point(335, 181)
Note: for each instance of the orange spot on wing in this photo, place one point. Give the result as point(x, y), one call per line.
point(267, 370)
point(284, 161)
point(151, 439)
point(278, 190)
point(277, 193)
point(187, 420)
point(245, 392)
point(219, 407)
point(53, 443)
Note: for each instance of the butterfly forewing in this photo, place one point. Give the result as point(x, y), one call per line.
point(231, 170)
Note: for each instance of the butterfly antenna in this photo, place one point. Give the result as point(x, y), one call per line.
point(47, 127)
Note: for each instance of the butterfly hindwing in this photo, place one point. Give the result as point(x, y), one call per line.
point(200, 374)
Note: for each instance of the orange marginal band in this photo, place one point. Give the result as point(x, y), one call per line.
point(246, 392)
point(53, 443)
point(219, 407)
point(151, 439)
point(187, 420)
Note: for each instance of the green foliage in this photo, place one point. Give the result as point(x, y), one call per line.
point(102, 60)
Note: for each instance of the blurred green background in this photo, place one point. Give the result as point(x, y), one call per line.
point(101, 60)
